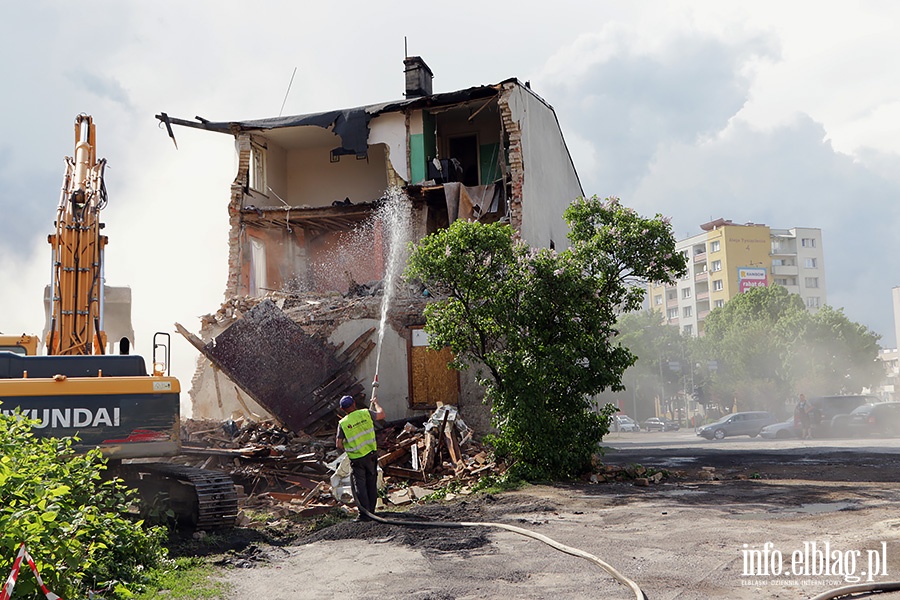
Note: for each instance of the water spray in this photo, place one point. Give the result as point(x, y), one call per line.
point(396, 219)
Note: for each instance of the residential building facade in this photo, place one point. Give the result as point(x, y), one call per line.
point(727, 259)
point(306, 184)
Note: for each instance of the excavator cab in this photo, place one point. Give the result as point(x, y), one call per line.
point(24, 345)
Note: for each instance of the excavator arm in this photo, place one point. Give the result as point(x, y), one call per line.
point(76, 326)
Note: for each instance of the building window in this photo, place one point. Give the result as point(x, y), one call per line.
point(811, 263)
point(687, 311)
point(671, 295)
point(812, 282)
point(812, 302)
point(657, 300)
point(782, 281)
point(719, 303)
point(688, 330)
point(258, 169)
point(258, 280)
point(716, 265)
point(685, 293)
point(717, 285)
point(672, 313)
point(714, 246)
point(808, 242)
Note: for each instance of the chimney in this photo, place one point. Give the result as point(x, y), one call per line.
point(418, 77)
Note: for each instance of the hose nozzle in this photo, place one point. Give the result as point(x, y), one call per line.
point(375, 383)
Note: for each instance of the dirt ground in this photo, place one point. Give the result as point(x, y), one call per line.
point(688, 537)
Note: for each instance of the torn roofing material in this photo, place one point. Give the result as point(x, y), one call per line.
point(350, 124)
point(295, 376)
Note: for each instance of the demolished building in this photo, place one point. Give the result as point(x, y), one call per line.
point(302, 234)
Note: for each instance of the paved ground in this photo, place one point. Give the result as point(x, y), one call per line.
point(686, 538)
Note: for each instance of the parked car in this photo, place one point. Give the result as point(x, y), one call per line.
point(779, 431)
point(625, 423)
point(824, 409)
point(660, 424)
point(741, 423)
point(882, 418)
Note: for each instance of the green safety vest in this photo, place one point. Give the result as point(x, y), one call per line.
point(359, 433)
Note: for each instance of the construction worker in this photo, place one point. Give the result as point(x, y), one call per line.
point(356, 436)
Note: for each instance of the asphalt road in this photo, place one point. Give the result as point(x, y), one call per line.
point(686, 439)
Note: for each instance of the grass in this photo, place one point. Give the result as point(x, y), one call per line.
point(186, 578)
point(495, 484)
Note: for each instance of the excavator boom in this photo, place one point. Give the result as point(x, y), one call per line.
point(77, 257)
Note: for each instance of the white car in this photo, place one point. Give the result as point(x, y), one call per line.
point(779, 431)
point(625, 423)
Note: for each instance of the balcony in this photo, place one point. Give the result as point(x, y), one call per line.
point(783, 251)
point(702, 296)
point(701, 276)
point(701, 314)
point(785, 270)
point(701, 257)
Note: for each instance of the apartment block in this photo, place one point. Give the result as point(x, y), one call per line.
point(728, 258)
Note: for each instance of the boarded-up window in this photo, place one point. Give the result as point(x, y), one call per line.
point(430, 379)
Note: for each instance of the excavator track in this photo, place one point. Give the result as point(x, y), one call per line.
point(200, 498)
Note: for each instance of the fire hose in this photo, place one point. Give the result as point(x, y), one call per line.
point(843, 592)
point(846, 591)
point(638, 594)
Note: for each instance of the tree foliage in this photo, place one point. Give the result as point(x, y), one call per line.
point(772, 348)
point(656, 346)
point(539, 325)
point(75, 524)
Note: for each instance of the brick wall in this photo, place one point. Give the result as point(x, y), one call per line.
point(235, 204)
point(513, 130)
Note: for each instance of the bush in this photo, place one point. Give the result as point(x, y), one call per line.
point(76, 525)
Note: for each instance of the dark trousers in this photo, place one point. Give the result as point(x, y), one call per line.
point(364, 481)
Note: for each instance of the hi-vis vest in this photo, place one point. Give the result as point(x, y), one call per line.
point(359, 432)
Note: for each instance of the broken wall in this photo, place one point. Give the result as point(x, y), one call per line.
point(544, 181)
point(340, 321)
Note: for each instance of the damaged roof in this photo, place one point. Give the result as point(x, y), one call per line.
point(350, 124)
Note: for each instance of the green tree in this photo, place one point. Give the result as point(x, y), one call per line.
point(826, 353)
point(539, 325)
point(654, 345)
point(772, 348)
point(75, 524)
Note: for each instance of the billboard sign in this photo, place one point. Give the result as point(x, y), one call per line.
point(751, 277)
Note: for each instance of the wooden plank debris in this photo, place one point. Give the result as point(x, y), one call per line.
point(287, 472)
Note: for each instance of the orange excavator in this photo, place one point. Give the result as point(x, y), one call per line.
point(79, 388)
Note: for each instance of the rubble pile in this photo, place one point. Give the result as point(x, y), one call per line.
point(318, 313)
point(287, 473)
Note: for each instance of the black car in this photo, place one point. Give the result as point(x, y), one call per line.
point(740, 423)
point(882, 418)
point(827, 413)
point(660, 424)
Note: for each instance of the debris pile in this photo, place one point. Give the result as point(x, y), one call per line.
point(287, 473)
point(319, 314)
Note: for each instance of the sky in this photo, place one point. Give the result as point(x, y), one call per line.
point(782, 113)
